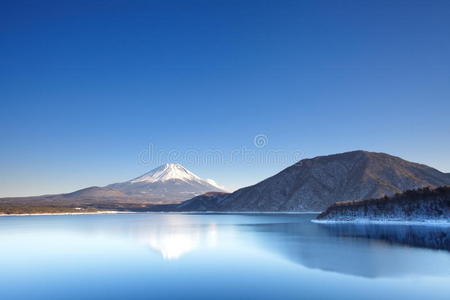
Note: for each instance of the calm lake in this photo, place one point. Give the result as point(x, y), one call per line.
point(219, 256)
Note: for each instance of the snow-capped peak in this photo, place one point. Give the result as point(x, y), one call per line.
point(170, 172)
point(215, 184)
point(167, 172)
point(174, 171)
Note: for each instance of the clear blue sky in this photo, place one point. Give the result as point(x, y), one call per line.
point(87, 86)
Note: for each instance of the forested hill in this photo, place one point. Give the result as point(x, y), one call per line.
point(414, 205)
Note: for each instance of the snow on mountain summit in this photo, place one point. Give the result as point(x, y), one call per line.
point(173, 172)
point(215, 184)
point(167, 172)
point(169, 183)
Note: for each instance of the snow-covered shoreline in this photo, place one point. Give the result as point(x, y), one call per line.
point(442, 222)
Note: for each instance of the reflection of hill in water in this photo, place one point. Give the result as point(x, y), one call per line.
point(431, 237)
point(361, 252)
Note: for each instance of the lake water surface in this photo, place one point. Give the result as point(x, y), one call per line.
point(218, 256)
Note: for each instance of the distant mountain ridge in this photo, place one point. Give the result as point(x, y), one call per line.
point(316, 183)
point(309, 185)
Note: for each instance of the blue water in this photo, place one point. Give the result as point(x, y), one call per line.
point(218, 256)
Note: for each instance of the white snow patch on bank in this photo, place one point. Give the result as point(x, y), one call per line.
point(442, 222)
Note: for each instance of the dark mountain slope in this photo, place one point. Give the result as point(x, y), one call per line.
point(314, 184)
point(206, 202)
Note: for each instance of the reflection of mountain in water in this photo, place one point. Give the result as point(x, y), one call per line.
point(172, 243)
point(174, 238)
point(319, 247)
point(360, 250)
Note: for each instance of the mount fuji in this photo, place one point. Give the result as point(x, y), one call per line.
point(169, 183)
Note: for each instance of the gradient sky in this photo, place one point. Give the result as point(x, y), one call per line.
point(89, 88)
